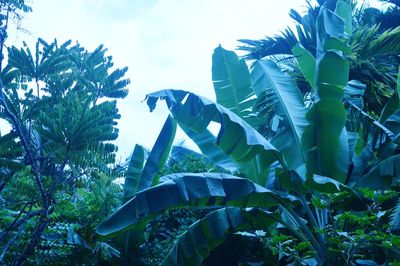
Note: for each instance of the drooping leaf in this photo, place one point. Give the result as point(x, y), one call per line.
point(158, 155)
point(393, 104)
point(353, 138)
point(393, 124)
point(195, 244)
point(289, 105)
point(360, 164)
point(235, 137)
point(188, 189)
point(232, 84)
point(325, 184)
point(382, 175)
point(354, 92)
point(207, 144)
point(395, 220)
point(133, 172)
point(372, 130)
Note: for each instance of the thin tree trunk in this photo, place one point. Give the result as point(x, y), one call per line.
point(17, 223)
point(44, 220)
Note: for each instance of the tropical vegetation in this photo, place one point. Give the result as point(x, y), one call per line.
point(304, 168)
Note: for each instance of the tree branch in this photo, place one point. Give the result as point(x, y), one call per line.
point(44, 220)
point(16, 223)
point(12, 240)
point(20, 129)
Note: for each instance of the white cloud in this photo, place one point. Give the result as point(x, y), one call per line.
point(165, 43)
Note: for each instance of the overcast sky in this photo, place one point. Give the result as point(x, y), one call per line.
point(165, 44)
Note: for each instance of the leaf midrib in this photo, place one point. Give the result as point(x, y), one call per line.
point(298, 141)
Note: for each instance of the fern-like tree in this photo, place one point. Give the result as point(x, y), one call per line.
point(60, 101)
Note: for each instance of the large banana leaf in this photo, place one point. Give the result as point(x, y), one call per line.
point(158, 155)
point(133, 172)
point(325, 138)
point(188, 189)
point(232, 84)
point(289, 105)
point(195, 244)
point(353, 91)
point(235, 137)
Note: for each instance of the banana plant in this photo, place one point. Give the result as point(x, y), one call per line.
point(308, 154)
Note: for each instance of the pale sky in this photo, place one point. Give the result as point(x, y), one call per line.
point(165, 44)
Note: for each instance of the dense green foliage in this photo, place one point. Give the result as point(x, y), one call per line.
point(304, 169)
point(57, 163)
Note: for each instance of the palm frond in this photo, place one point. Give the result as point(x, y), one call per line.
point(394, 2)
point(269, 46)
point(387, 43)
